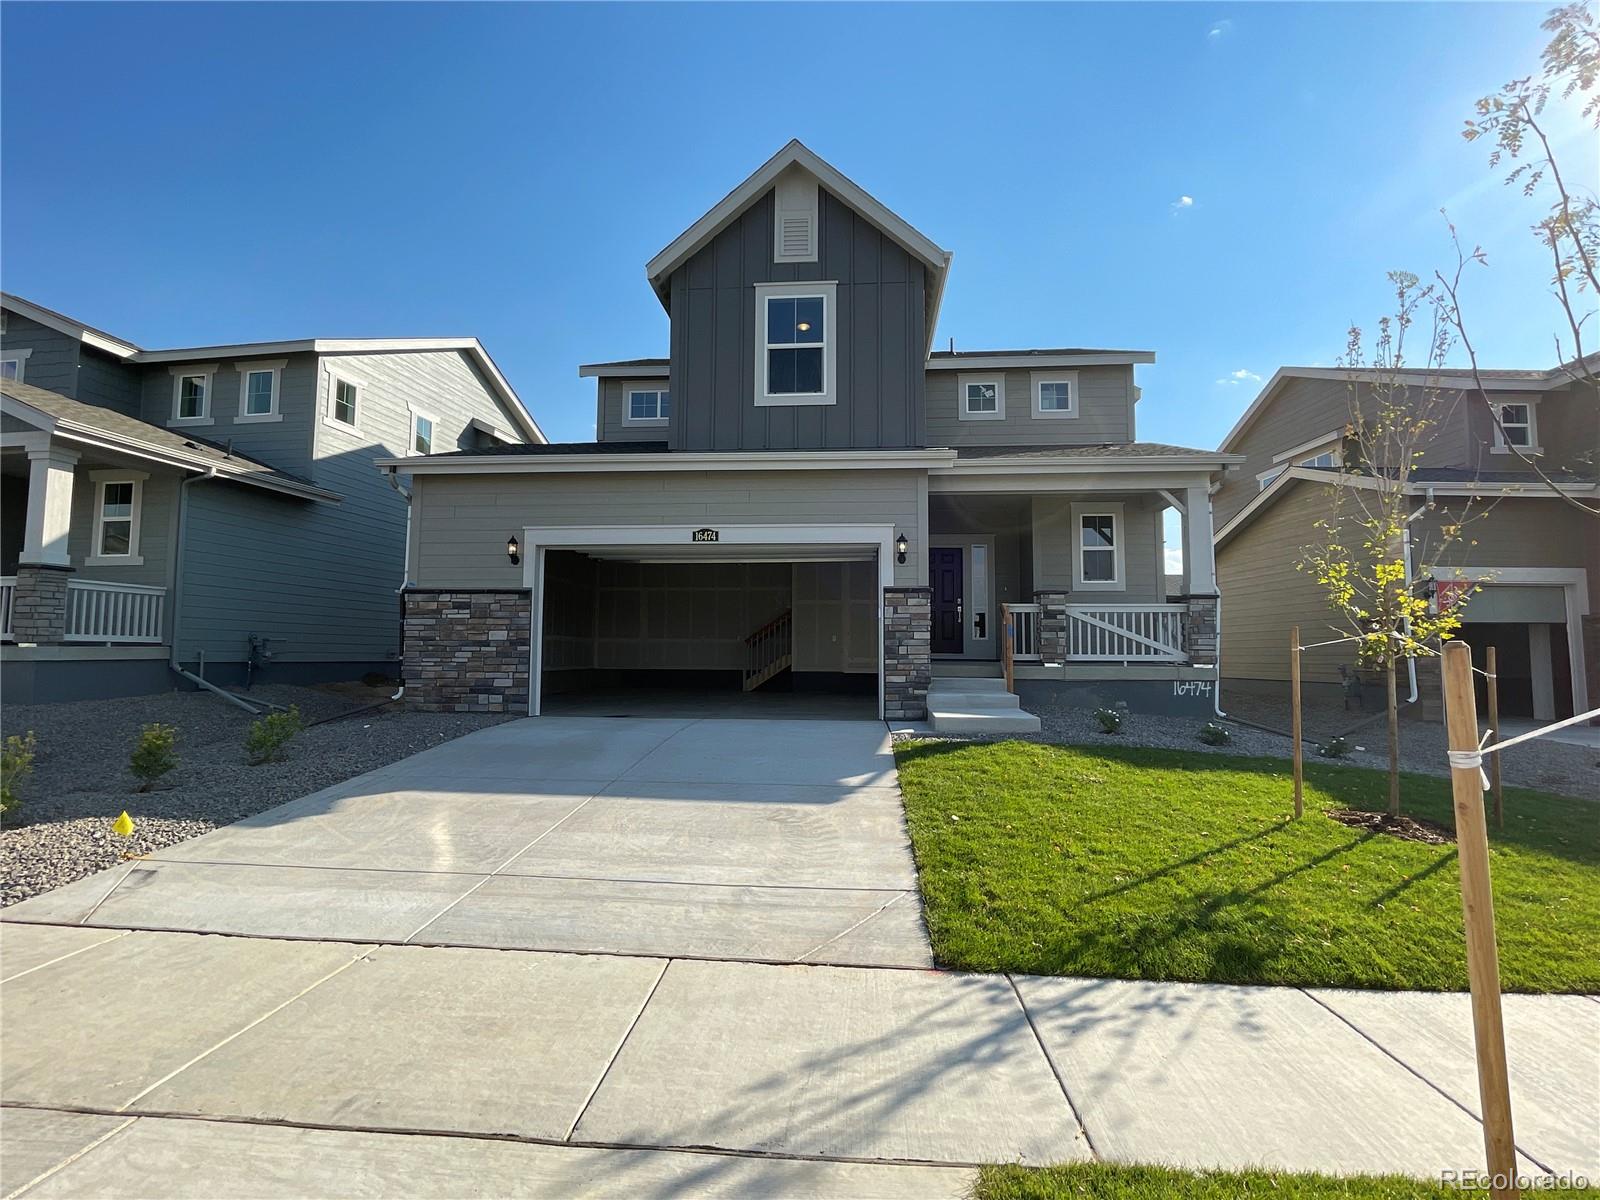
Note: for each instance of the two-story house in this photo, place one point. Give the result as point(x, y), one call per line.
point(804, 494)
point(213, 509)
point(1535, 557)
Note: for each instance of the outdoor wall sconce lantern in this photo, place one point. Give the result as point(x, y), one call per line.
point(513, 551)
point(900, 545)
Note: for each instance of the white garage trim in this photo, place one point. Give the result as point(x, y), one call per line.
point(1574, 584)
point(763, 539)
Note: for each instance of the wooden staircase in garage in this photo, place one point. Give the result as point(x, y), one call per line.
point(769, 650)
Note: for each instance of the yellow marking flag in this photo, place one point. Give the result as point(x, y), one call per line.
point(123, 825)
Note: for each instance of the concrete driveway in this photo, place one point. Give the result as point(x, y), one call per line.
point(768, 841)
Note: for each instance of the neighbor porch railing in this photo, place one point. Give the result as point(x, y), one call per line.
point(1125, 633)
point(113, 612)
point(8, 594)
point(1024, 631)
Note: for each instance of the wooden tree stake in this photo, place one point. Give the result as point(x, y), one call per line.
point(1294, 719)
point(1008, 646)
point(1477, 907)
point(1494, 738)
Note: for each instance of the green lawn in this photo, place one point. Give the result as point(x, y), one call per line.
point(1135, 863)
point(1103, 1181)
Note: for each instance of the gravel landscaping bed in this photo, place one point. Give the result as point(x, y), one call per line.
point(1550, 766)
point(62, 830)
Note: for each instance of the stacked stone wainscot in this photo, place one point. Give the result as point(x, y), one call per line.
point(907, 652)
point(1052, 625)
point(39, 604)
point(467, 651)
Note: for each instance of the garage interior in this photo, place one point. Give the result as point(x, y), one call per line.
point(1527, 626)
point(721, 632)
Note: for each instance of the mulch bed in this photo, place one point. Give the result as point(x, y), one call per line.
point(1409, 829)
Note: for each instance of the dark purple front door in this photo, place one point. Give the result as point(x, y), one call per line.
point(944, 577)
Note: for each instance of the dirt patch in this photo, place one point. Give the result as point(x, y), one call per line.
point(1408, 829)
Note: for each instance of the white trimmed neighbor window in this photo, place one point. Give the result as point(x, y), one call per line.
point(796, 330)
point(344, 402)
point(1097, 547)
point(981, 397)
point(258, 391)
point(13, 364)
point(1055, 394)
point(422, 432)
point(1517, 428)
point(191, 395)
point(646, 405)
point(118, 497)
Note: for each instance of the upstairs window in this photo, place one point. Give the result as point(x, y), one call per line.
point(647, 406)
point(13, 364)
point(344, 402)
point(1055, 394)
point(421, 433)
point(1516, 428)
point(1326, 459)
point(258, 391)
point(981, 397)
point(796, 336)
point(191, 395)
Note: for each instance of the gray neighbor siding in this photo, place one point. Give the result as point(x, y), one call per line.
point(284, 444)
point(611, 427)
point(881, 328)
point(1105, 410)
point(53, 359)
point(322, 579)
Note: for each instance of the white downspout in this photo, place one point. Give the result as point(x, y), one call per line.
point(405, 577)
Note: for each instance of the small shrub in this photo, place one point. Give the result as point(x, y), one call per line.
point(1334, 747)
point(154, 754)
point(1214, 734)
point(1110, 719)
point(16, 764)
point(269, 735)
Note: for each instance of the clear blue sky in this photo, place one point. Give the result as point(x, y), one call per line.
point(192, 174)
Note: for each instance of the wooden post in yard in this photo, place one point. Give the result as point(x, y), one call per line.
point(1294, 721)
point(1494, 739)
point(1477, 907)
point(1008, 645)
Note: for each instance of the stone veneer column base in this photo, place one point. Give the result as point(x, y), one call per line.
point(1200, 629)
point(907, 652)
point(39, 604)
point(467, 651)
point(1591, 656)
point(1052, 625)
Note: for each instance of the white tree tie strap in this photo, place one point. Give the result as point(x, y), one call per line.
point(1467, 760)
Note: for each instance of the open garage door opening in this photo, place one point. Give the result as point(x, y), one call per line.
point(708, 630)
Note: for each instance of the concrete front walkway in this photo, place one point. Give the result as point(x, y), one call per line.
point(770, 841)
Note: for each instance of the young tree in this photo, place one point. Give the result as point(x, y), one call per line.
point(1364, 556)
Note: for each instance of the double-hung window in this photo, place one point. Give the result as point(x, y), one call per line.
point(1055, 394)
point(13, 363)
point(422, 427)
point(646, 406)
point(344, 402)
point(258, 391)
point(981, 397)
point(117, 500)
point(1097, 545)
point(796, 332)
point(191, 395)
point(1516, 428)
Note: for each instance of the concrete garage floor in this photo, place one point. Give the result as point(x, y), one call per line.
point(706, 704)
point(657, 1022)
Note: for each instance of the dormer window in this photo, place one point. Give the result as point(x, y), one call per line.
point(1516, 428)
point(646, 406)
point(797, 340)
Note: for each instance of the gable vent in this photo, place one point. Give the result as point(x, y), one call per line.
point(795, 237)
point(794, 226)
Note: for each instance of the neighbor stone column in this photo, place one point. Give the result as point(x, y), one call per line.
point(1052, 625)
point(39, 605)
point(1591, 658)
point(467, 651)
point(907, 652)
point(1200, 629)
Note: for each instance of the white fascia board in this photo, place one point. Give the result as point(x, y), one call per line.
point(612, 371)
point(1074, 466)
point(716, 460)
point(684, 246)
point(1531, 489)
point(978, 361)
point(51, 320)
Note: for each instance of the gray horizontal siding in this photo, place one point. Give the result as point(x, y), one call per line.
point(53, 359)
point(1052, 548)
point(108, 382)
point(462, 522)
point(284, 444)
point(612, 428)
point(1105, 411)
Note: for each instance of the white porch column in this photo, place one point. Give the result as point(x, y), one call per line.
point(49, 506)
point(1200, 576)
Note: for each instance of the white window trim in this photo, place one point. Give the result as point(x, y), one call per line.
point(642, 385)
point(206, 371)
point(829, 291)
point(411, 436)
point(1500, 445)
point(101, 479)
point(999, 413)
point(1119, 528)
point(1040, 378)
point(335, 378)
point(20, 357)
point(245, 371)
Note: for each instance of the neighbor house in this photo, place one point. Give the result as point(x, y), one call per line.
point(804, 495)
point(1535, 556)
point(214, 509)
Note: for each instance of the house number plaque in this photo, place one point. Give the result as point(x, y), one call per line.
point(706, 535)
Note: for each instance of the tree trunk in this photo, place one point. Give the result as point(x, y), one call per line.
point(1394, 738)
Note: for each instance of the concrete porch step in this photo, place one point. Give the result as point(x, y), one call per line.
point(982, 720)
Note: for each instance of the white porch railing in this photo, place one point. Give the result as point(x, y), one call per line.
point(8, 593)
point(1025, 632)
point(1125, 632)
point(113, 612)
